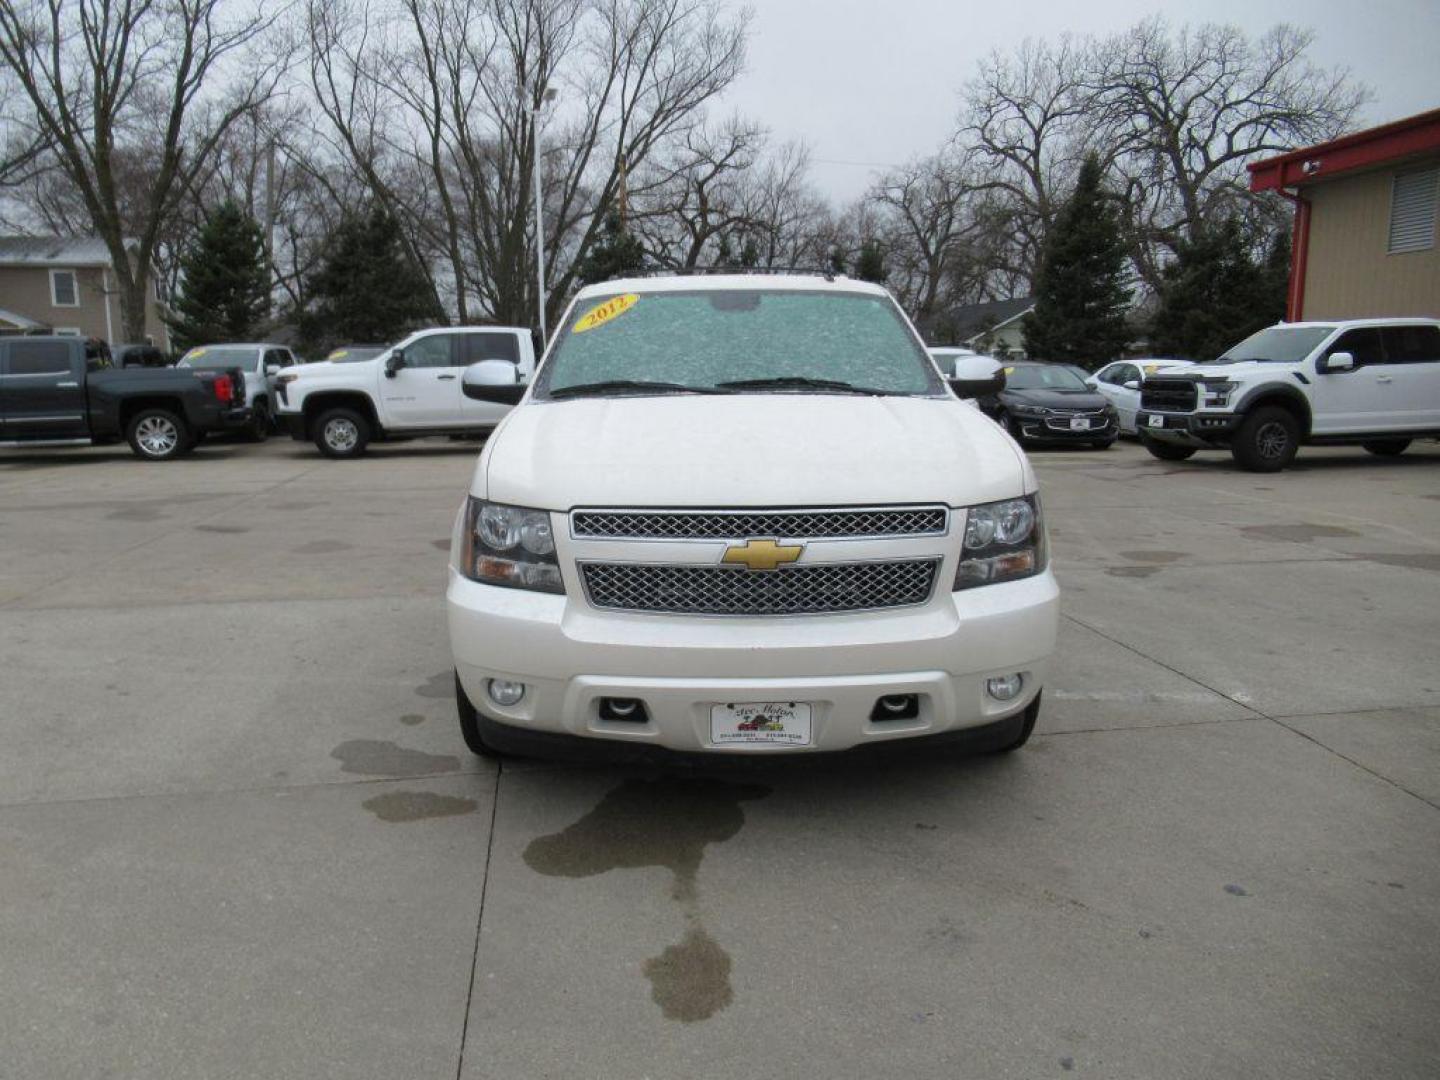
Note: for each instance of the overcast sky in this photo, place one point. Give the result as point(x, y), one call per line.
point(876, 81)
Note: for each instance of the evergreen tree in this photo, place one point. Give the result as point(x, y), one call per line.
point(367, 288)
point(226, 282)
point(617, 253)
point(870, 263)
point(1215, 294)
point(1081, 292)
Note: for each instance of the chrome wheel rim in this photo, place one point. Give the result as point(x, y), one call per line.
point(341, 434)
point(1271, 440)
point(157, 435)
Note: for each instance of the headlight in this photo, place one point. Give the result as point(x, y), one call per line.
point(285, 380)
point(1004, 541)
point(510, 546)
point(1217, 394)
point(1029, 410)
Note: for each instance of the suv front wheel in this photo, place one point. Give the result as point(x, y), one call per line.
point(1166, 451)
point(1266, 440)
point(341, 433)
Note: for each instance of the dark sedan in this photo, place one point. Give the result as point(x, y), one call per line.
point(1049, 403)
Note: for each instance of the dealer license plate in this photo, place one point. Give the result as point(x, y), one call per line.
point(1156, 421)
point(1079, 423)
point(760, 723)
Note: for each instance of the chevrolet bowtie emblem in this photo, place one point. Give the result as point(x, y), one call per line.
point(762, 554)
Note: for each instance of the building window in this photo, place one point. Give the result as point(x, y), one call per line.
point(64, 289)
point(1412, 211)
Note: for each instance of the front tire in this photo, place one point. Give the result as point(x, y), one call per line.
point(158, 435)
point(341, 433)
point(1104, 444)
point(470, 724)
point(1386, 447)
point(1166, 451)
point(1266, 440)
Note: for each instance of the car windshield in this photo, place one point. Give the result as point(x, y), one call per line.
point(1277, 345)
point(349, 354)
point(1042, 377)
point(736, 341)
point(218, 357)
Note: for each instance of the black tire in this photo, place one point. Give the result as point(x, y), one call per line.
point(341, 433)
point(1386, 447)
point(159, 435)
point(1266, 440)
point(1104, 444)
point(1166, 451)
point(1027, 726)
point(258, 430)
point(1010, 424)
point(470, 724)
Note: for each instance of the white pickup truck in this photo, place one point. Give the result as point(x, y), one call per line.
point(408, 391)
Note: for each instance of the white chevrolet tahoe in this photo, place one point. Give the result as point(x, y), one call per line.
point(745, 514)
point(404, 392)
point(1372, 382)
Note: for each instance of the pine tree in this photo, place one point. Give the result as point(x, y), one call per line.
point(1081, 290)
point(870, 263)
point(367, 289)
point(1214, 294)
point(617, 253)
point(226, 282)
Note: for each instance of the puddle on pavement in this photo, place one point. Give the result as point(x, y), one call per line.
point(666, 823)
point(397, 806)
point(411, 719)
point(1154, 556)
point(1133, 571)
point(373, 757)
point(1302, 533)
point(439, 685)
point(440, 545)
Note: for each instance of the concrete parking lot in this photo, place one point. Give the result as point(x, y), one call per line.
point(240, 835)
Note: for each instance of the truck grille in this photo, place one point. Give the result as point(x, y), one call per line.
point(741, 524)
point(722, 590)
point(1168, 395)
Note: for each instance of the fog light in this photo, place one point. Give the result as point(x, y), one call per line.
point(1003, 687)
point(895, 707)
point(624, 710)
point(505, 692)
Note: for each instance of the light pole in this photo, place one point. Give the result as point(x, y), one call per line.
point(547, 95)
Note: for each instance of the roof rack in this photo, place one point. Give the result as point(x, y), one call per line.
point(702, 271)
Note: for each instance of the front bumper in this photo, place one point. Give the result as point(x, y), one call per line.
point(1188, 429)
point(292, 424)
point(570, 656)
point(1055, 429)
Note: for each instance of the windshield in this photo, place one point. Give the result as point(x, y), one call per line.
point(219, 357)
point(1277, 345)
point(350, 354)
point(1042, 377)
point(734, 341)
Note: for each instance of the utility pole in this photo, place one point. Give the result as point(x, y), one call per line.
point(547, 96)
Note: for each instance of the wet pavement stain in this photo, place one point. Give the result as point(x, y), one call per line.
point(135, 513)
point(321, 547)
point(690, 981)
point(1302, 533)
point(440, 545)
point(399, 806)
point(1236, 890)
point(372, 757)
point(228, 529)
point(1425, 561)
point(439, 685)
point(666, 823)
point(411, 719)
point(1133, 571)
point(1154, 556)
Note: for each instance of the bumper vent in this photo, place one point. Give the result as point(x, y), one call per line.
point(821, 588)
point(741, 524)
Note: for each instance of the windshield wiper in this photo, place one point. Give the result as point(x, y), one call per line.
point(620, 386)
point(800, 382)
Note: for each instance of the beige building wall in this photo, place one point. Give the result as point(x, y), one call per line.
point(1349, 273)
point(25, 290)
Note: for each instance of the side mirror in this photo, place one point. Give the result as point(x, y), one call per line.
point(394, 363)
point(1132, 384)
point(495, 381)
point(1338, 361)
point(272, 370)
point(976, 376)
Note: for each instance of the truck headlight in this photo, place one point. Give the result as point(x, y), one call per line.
point(1029, 410)
point(1217, 394)
point(1004, 541)
point(510, 546)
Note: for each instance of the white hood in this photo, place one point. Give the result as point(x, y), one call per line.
point(749, 450)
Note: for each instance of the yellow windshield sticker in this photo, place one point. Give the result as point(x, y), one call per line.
point(338, 354)
point(194, 354)
point(1009, 371)
point(603, 313)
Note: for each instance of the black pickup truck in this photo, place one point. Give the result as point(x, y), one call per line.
point(64, 390)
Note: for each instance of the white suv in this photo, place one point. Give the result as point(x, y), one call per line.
point(407, 391)
point(745, 514)
point(1372, 382)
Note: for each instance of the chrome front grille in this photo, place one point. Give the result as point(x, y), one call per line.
point(817, 588)
point(742, 524)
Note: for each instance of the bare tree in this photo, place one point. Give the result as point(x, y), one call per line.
point(107, 79)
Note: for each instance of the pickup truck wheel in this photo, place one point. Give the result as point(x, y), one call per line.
point(341, 433)
point(470, 724)
point(1166, 451)
point(1266, 440)
point(1386, 447)
point(1104, 444)
point(258, 430)
point(158, 435)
